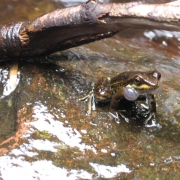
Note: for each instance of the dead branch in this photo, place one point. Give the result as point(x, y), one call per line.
point(77, 25)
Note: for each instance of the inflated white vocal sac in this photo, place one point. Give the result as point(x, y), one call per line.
point(130, 93)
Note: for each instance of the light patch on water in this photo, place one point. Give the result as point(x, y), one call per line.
point(109, 171)
point(46, 122)
point(113, 154)
point(164, 43)
point(9, 88)
point(150, 35)
point(18, 168)
point(152, 164)
point(84, 131)
point(104, 150)
point(75, 2)
point(161, 33)
point(44, 145)
point(9, 84)
point(22, 150)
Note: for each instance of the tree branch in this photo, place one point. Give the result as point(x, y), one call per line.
point(77, 25)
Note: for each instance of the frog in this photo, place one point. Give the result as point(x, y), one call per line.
point(129, 85)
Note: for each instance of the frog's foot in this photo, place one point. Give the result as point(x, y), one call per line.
point(122, 114)
point(115, 115)
point(150, 116)
point(91, 101)
point(149, 108)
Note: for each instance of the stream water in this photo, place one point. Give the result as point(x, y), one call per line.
point(45, 132)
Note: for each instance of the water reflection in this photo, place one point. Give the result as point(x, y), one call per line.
point(109, 171)
point(37, 170)
point(165, 39)
point(75, 2)
point(10, 79)
point(47, 122)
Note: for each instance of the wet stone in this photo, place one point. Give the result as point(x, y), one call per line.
point(8, 118)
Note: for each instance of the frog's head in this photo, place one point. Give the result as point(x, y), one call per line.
point(102, 90)
point(146, 81)
point(143, 82)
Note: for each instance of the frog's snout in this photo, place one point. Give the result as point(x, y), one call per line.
point(159, 89)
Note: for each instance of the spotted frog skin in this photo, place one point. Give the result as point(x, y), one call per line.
point(114, 89)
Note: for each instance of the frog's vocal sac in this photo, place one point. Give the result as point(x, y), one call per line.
point(128, 85)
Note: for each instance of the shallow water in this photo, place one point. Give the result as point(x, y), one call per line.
point(49, 134)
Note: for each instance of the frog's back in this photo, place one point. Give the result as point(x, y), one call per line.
point(122, 79)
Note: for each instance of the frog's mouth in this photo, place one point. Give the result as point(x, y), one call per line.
point(149, 91)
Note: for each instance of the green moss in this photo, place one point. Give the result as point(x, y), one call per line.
point(10, 103)
point(43, 134)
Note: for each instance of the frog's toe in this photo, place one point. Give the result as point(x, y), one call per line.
point(83, 98)
point(115, 115)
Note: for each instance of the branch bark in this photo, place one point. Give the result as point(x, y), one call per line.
point(77, 25)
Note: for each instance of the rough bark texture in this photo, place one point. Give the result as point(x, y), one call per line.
point(77, 25)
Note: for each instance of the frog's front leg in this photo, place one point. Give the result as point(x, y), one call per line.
point(151, 102)
point(91, 101)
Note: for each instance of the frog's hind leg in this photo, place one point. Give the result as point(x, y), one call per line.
point(114, 105)
point(116, 99)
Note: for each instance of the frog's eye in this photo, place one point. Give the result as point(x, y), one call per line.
point(137, 80)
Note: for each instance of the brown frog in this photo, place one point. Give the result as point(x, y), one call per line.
point(129, 85)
